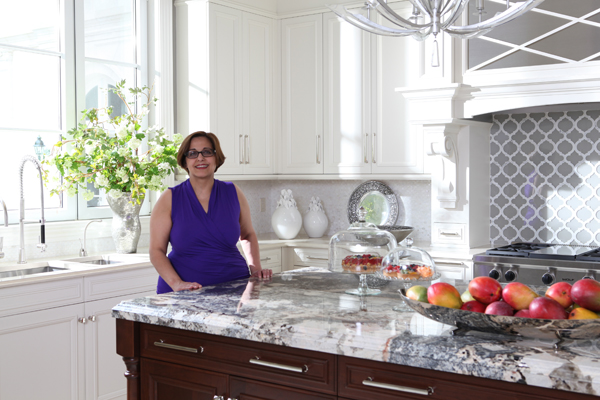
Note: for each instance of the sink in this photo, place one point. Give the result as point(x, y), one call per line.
point(101, 262)
point(30, 271)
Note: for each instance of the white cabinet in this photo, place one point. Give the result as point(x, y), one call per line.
point(301, 149)
point(300, 257)
point(41, 354)
point(271, 258)
point(58, 341)
point(454, 269)
point(103, 366)
point(224, 82)
point(362, 125)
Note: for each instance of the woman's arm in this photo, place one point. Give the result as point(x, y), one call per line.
point(160, 230)
point(249, 239)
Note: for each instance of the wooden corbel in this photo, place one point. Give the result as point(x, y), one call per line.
point(446, 185)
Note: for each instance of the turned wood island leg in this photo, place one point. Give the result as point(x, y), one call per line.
point(128, 347)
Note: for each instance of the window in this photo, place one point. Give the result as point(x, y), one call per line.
point(58, 57)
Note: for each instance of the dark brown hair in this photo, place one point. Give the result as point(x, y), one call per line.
point(185, 147)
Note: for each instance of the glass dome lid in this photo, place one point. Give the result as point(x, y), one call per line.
point(408, 264)
point(360, 250)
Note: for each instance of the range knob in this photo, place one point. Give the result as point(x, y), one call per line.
point(494, 274)
point(511, 275)
point(548, 278)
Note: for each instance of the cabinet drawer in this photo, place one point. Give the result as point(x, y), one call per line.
point(454, 269)
point(120, 283)
point(308, 257)
point(271, 259)
point(251, 389)
point(365, 380)
point(298, 368)
point(450, 233)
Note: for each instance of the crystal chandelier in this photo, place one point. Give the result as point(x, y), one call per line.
point(432, 17)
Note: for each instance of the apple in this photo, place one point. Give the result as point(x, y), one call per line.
point(561, 292)
point(485, 289)
point(546, 308)
point(582, 313)
point(518, 295)
point(522, 314)
point(586, 293)
point(418, 293)
point(444, 295)
point(499, 308)
point(473, 305)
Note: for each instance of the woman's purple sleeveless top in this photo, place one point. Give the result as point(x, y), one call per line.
point(203, 245)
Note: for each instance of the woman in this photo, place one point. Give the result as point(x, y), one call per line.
point(203, 218)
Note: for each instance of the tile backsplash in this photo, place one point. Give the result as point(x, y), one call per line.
point(414, 201)
point(545, 171)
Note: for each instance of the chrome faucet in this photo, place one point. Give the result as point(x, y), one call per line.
point(82, 251)
point(3, 204)
point(42, 244)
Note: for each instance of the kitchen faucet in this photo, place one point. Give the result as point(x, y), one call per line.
point(83, 251)
point(42, 244)
point(5, 224)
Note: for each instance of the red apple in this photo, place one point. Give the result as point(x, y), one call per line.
point(546, 308)
point(485, 289)
point(518, 295)
point(444, 295)
point(522, 314)
point(499, 308)
point(561, 292)
point(586, 293)
point(473, 305)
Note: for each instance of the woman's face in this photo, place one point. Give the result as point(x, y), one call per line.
point(201, 166)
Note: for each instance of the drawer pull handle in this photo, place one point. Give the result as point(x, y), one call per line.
point(449, 233)
point(257, 361)
point(265, 259)
point(316, 258)
point(398, 388)
point(451, 263)
point(180, 348)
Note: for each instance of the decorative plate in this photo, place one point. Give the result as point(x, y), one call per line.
point(386, 203)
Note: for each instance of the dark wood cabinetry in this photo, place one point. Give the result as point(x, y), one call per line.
point(166, 363)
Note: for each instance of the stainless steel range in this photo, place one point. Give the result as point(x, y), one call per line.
point(538, 263)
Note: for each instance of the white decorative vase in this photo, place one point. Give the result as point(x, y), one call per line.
point(286, 220)
point(315, 220)
point(126, 227)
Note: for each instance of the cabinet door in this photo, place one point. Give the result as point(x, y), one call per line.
point(397, 149)
point(346, 95)
point(103, 366)
point(225, 91)
point(302, 96)
point(241, 389)
point(166, 381)
point(41, 355)
point(257, 45)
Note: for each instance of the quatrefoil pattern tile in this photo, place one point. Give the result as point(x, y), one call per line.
point(545, 178)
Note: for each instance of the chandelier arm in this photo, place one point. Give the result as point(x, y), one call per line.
point(396, 19)
point(508, 15)
point(422, 5)
point(449, 5)
point(457, 11)
point(364, 23)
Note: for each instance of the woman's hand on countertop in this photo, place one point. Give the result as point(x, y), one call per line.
point(263, 274)
point(185, 286)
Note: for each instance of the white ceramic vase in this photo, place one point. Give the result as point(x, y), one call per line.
point(315, 220)
point(286, 220)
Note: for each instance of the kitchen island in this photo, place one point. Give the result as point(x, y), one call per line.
point(300, 336)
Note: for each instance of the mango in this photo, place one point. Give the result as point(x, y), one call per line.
point(582, 313)
point(485, 289)
point(444, 295)
point(586, 293)
point(418, 293)
point(546, 308)
point(518, 295)
point(561, 292)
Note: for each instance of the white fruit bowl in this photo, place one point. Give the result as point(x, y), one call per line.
point(526, 327)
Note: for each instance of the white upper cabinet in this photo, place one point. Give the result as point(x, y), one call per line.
point(224, 82)
point(302, 96)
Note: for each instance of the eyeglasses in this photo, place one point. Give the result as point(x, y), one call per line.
point(205, 153)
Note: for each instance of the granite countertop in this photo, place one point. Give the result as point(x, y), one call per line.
point(309, 309)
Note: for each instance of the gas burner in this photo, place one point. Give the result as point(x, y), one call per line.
point(517, 249)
